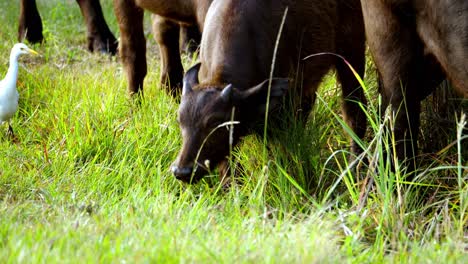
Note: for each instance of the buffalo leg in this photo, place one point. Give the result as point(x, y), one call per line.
point(100, 38)
point(354, 100)
point(132, 47)
point(166, 34)
point(351, 45)
point(394, 50)
point(30, 24)
point(399, 56)
point(190, 38)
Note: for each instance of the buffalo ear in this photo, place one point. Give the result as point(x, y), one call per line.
point(257, 95)
point(190, 79)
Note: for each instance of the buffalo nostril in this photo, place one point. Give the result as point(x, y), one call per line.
point(181, 172)
point(174, 169)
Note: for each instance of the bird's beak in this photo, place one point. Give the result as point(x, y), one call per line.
point(33, 52)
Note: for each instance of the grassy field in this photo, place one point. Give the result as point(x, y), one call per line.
point(88, 179)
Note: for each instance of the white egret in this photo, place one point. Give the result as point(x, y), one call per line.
point(8, 94)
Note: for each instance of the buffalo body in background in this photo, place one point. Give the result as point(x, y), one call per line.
point(167, 20)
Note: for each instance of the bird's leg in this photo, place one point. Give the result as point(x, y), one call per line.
point(10, 131)
point(12, 135)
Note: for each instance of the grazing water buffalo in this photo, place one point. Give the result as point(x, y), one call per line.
point(169, 15)
point(100, 38)
point(415, 45)
point(231, 80)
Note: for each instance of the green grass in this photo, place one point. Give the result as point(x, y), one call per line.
point(88, 179)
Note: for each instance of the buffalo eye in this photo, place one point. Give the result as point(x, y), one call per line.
point(214, 120)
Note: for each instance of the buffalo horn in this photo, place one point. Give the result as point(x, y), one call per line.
point(226, 93)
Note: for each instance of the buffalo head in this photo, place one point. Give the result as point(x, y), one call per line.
point(212, 119)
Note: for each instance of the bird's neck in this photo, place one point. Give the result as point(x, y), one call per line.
point(12, 73)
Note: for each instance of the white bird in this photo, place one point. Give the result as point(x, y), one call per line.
point(8, 94)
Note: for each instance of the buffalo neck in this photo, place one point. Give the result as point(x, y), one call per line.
point(238, 42)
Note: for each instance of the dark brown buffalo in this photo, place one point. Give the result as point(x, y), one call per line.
point(415, 45)
point(169, 15)
point(232, 77)
point(100, 38)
